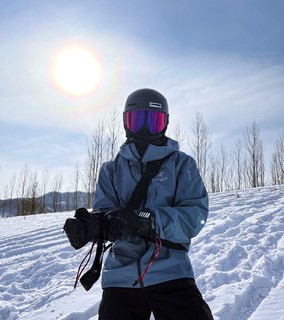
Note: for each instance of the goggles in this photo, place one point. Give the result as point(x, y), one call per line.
point(154, 121)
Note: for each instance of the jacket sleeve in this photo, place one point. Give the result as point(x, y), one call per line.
point(185, 219)
point(105, 195)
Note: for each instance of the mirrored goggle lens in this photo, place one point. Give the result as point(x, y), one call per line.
point(134, 120)
point(155, 121)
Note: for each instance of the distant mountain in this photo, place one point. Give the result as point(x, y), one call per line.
point(50, 202)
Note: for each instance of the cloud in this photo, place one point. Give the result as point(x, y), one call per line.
point(230, 92)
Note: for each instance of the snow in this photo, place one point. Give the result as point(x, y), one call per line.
point(238, 260)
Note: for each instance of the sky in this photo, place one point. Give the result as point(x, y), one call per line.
point(224, 59)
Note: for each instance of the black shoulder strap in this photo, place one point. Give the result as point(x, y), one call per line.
point(140, 191)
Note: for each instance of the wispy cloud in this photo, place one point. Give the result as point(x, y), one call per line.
point(231, 93)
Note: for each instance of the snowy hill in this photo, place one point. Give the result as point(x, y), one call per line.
point(238, 260)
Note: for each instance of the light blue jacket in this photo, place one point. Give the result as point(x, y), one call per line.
point(176, 196)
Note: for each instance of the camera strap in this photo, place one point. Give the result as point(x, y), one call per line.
point(139, 194)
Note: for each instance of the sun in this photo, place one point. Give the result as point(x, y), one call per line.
point(76, 71)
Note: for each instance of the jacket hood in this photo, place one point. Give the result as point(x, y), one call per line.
point(129, 151)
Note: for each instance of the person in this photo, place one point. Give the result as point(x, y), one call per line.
point(148, 269)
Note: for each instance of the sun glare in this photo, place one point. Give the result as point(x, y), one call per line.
point(76, 71)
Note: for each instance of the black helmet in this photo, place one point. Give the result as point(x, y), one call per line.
point(147, 99)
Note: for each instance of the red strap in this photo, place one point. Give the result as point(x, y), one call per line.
point(81, 269)
point(155, 254)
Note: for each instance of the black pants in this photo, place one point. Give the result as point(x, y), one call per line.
point(177, 299)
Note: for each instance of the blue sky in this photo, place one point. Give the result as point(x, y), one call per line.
point(222, 58)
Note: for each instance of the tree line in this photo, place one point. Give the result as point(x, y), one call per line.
point(242, 166)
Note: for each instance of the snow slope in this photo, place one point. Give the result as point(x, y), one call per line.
point(238, 260)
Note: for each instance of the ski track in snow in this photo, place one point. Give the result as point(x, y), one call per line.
point(238, 259)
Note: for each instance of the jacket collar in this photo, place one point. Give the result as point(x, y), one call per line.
point(129, 152)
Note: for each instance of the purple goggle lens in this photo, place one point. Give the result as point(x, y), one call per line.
point(155, 121)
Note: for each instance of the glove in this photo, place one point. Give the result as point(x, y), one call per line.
point(137, 222)
point(84, 227)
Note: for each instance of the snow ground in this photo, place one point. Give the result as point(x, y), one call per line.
point(238, 260)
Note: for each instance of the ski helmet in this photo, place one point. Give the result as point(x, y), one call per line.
point(157, 105)
point(147, 99)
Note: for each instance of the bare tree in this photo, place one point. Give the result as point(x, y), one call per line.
point(277, 161)
point(22, 206)
point(24, 176)
point(178, 135)
point(218, 171)
point(76, 180)
point(113, 133)
point(213, 176)
point(237, 165)
point(29, 202)
point(200, 143)
point(223, 163)
point(95, 158)
point(45, 180)
point(8, 194)
point(254, 160)
point(57, 185)
point(4, 202)
point(11, 192)
point(33, 194)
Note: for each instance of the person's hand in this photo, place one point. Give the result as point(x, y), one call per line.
point(84, 227)
point(137, 222)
